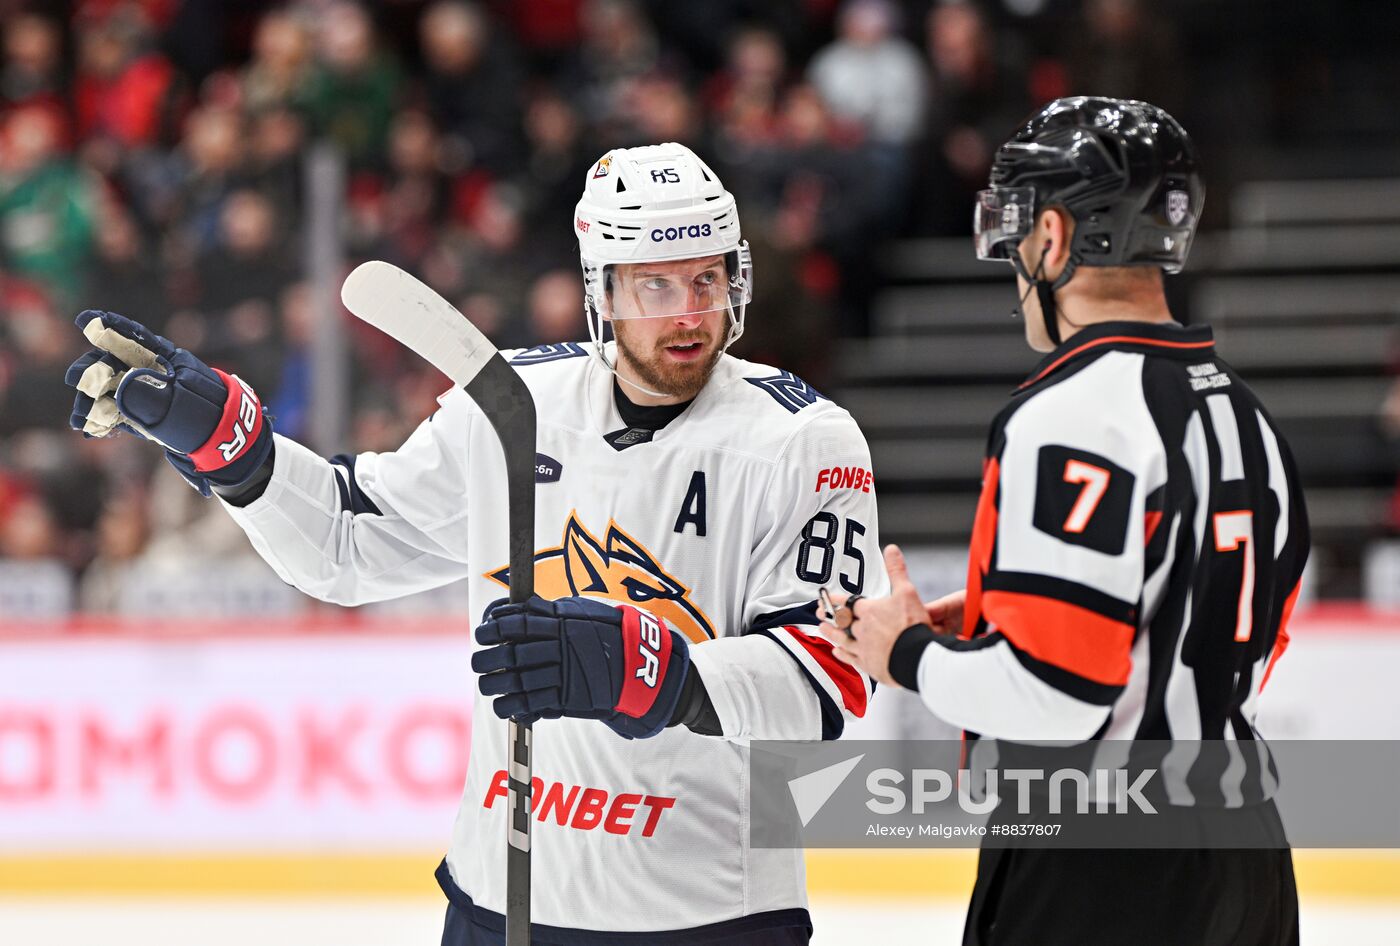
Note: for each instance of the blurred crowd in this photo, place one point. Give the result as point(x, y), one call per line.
point(153, 162)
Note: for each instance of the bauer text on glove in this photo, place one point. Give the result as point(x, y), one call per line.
point(583, 658)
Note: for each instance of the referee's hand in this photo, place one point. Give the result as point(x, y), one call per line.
point(878, 622)
point(945, 615)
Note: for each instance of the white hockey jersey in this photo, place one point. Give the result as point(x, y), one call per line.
point(725, 523)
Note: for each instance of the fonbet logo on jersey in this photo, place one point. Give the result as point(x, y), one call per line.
point(585, 807)
point(618, 568)
point(845, 477)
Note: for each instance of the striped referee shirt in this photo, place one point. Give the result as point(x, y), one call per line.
point(1138, 546)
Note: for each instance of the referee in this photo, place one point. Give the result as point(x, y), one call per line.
point(1137, 547)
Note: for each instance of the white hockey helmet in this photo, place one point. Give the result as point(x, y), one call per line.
point(659, 203)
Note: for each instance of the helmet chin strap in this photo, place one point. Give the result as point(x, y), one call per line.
point(632, 384)
point(1044, 290)
point(596, 331)
point(600, 353)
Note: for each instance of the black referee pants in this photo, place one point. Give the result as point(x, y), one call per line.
point(1028, 897)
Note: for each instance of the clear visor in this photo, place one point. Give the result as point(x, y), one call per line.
point(1003, 216)
point(672, 290)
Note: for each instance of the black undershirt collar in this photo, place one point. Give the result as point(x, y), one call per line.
point(650, 417)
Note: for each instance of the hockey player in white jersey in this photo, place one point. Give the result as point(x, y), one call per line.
point(684, 496)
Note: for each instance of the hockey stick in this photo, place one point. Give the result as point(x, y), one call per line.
point(417, 317)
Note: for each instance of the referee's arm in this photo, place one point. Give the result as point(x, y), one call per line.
point(1054, 588)
point(1055, 583)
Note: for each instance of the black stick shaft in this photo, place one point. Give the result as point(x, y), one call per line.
point(505, 401)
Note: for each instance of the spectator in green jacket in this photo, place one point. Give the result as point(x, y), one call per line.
point(46, 203)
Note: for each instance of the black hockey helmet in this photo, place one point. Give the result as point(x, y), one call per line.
point(1124, 170)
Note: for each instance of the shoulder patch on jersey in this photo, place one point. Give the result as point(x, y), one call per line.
point(789, 390)
point(1083, 498)
point(541, 354)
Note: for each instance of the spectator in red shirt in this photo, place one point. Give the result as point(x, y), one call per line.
point(125, 89)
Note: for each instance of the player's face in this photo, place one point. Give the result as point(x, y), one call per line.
point(671, 354)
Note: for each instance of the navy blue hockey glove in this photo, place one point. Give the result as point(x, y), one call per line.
point(210, 423)
point(582, 658)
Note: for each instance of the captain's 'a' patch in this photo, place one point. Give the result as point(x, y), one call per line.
point(1083, 498)
point(789, 390)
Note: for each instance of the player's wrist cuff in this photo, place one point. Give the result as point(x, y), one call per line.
point(906, 653)
point(695, 710)
point(239, 483)
point(251, 489)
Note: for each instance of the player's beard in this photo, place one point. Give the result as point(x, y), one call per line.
point(663, 375)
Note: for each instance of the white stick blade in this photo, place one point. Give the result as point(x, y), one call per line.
point(415, 316)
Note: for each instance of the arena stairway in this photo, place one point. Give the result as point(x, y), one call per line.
point(1303, 291)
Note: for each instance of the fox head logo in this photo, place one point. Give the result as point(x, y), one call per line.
point(618, 568)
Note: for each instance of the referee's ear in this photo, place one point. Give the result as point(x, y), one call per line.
point(1054, 233)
